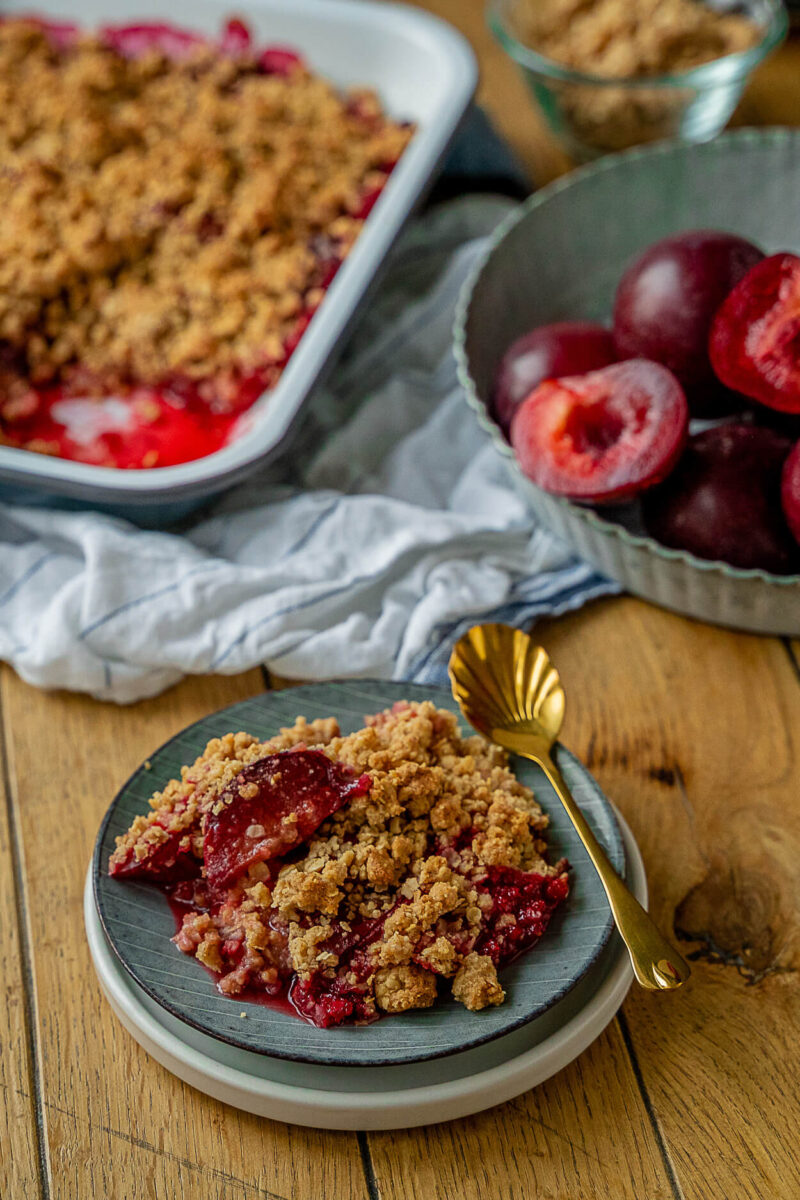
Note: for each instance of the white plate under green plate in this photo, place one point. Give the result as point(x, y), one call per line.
point(559, 257)
point(138, 922)
point(398, 1097)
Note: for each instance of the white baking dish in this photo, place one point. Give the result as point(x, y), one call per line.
point(425, 72)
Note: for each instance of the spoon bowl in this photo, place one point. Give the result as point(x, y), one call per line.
point(506, 685)
point(510, 692)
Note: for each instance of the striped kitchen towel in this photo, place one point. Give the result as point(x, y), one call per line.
point(389, 528)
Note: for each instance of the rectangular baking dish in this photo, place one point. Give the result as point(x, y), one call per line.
point(425, 72)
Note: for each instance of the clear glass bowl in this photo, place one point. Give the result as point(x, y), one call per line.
point(593, 115)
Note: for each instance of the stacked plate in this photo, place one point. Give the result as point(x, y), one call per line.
point(411, 1069)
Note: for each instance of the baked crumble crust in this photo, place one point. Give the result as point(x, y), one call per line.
point(438, 870)
point(169, 222)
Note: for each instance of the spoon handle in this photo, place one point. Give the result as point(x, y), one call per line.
point(656, 963)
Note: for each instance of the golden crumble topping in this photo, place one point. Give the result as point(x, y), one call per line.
point(432, 868)
point(170, 221)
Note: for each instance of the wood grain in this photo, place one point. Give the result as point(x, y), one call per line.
point(585, 1135)
point(117, 1124)
point(695, 733)
point(19, 1162)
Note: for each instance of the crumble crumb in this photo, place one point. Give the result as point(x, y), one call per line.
point(476, 984)
point(398, 989)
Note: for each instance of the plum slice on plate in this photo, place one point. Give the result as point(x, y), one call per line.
point(549, 352)
point(755, 337)
point(603, 436)
point(273, 805)
point(723, 502)
point(164, 849)
point(666, 301)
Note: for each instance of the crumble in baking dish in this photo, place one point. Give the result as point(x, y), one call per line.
point(174, 209)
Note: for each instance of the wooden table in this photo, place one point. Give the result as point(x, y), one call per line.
point(695, 733)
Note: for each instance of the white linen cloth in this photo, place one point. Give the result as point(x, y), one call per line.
point(390, 526)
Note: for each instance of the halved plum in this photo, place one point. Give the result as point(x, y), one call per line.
point(603, 436)
point(723, 501)
point(666, 301)
point(273, 805)
point(790, 491)
point(755, 337)
point(549, 352)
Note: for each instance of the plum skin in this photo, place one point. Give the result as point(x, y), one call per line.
point(603, 436)
point(665, 303)
point(547, 352)
point(723, 501)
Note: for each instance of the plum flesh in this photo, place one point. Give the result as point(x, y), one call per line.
point(723, 501)
point(603, 436)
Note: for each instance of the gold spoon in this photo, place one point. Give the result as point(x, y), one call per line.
point(509, 691)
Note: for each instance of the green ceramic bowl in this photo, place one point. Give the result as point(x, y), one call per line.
point(560, 256)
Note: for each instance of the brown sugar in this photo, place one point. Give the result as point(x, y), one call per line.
point(635, 41)
point(627, 39)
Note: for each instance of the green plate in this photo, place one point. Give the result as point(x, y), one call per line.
point(138, 922)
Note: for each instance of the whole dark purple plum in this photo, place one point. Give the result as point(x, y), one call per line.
point(723, 500)
point(666, 301)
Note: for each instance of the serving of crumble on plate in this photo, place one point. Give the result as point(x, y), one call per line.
point(175, 207)
point(325, 877)
point(351, 873)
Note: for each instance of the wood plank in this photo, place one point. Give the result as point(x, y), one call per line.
point(772, 94)
point(584, 1135)
point(695, 733)
point(118, 1125)
point(19, 1164)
